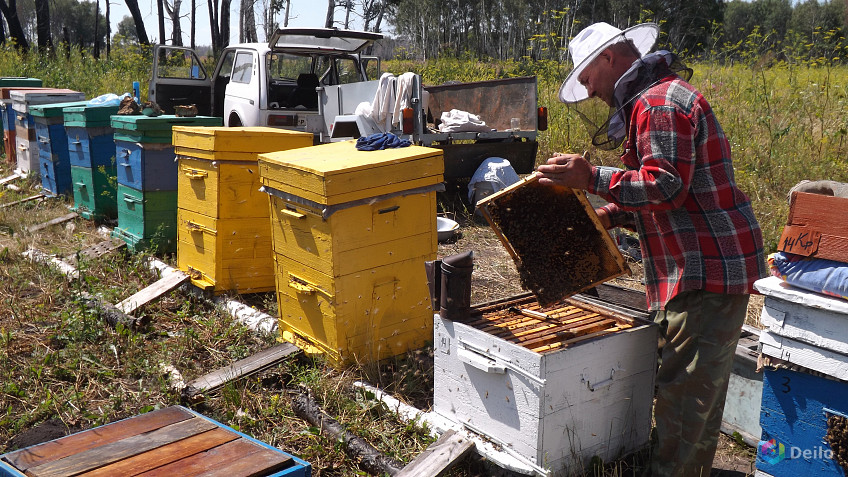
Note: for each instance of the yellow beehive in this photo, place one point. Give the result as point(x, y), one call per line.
point(223, 232)
point(351, 231)
point(225, 254)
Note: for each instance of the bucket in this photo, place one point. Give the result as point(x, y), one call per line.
point(455, 295)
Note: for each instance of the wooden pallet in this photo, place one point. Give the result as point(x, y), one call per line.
point(170, 441)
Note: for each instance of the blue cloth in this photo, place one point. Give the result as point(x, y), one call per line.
point(814, 274)
point(380, 141)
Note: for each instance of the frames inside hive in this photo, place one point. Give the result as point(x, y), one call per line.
point(555, 238)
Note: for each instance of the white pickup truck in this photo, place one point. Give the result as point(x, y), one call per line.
point(313, 79)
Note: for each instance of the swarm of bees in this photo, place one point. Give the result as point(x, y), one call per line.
point(837, 437)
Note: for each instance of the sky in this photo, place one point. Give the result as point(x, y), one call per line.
point(305, 13)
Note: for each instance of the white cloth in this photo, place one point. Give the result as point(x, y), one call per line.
point(457, 120)
point(497, 171)
point(403, 96)
point(384, 101)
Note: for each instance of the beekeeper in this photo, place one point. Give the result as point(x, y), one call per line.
point(701, 244)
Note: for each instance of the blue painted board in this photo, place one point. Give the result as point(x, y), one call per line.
point(91, 147)
point(146, 166)
point(794, 414)
point(55, 176)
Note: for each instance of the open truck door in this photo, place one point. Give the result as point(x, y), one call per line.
point(179, 79)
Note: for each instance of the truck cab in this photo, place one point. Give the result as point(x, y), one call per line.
point(255, 84)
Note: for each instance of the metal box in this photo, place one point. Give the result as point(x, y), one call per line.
point(224, 235)
point(351, 232)
point(147, 219)
point(170, 441)
point(25, 134)
point(555, 386)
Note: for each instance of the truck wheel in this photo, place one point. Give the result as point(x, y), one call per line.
point(234, 121)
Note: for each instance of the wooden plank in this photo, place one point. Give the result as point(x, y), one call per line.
point(82, 441)
point(166, 454)
point(160, 287)
point(96, 250)
point(440, 456)
point(241, 368)
point(11, 178)
point(117, 450)
point(208, 462)
point(28, 199)
point(56, 221)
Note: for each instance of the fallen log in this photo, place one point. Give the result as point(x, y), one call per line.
point(370, 459)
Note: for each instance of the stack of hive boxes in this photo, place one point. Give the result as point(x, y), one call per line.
point(147, 179)
point(351, 232)
point(223, 229)
point(7, 114)
point(53, 157)
point(26, 144)
point(147, 183)
point(804, 412)
point(91, 147)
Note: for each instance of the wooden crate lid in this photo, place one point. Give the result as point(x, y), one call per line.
point(22, 99)
point(6, 81)
point(89, 116)
point(239, 140)
point(557, 241)
point(335, 173)
point(163, 122)
point(50, 110)
point(5, 92)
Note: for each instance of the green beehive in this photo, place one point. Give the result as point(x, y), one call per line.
point(148, 129)
point(147, 219)
point(94, 192)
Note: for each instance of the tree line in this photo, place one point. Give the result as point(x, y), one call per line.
point(421, 29)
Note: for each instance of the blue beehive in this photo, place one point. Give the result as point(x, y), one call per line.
point(794, 416)
point(53, 158)
point(91, 147)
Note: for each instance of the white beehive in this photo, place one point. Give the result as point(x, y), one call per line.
point(555, 391)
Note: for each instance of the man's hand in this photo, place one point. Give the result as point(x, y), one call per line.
point(570, 170)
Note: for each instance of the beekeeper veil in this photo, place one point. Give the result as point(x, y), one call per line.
point(606, 125)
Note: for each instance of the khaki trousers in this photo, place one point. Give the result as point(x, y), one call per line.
point(698, 335)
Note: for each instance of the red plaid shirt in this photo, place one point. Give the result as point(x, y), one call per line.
point(697, 229)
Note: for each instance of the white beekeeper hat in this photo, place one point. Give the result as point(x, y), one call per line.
point(594, 39)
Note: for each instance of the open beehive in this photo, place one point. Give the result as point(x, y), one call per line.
point(556, 385)
point(557, 241)
point(523, 321)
